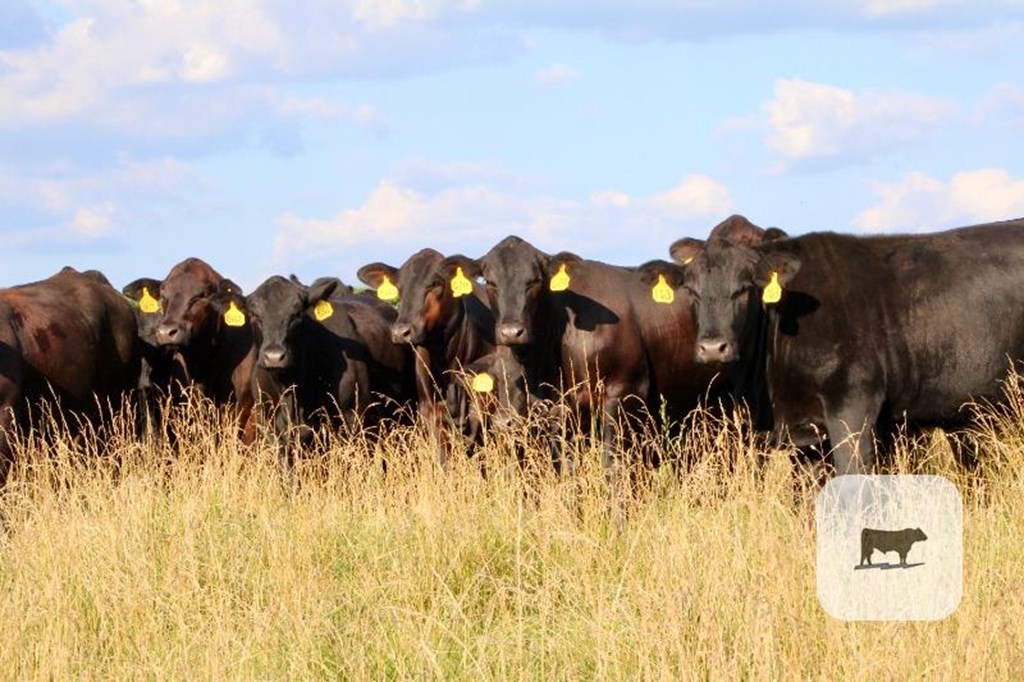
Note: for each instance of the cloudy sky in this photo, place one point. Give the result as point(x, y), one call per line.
point(312, 136)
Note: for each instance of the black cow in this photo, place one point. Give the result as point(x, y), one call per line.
point(489, 394)
point(447, 333)
point(156, 364)
point(71, 337)
point(210, 339)
point(323, 356)
point(846, 334)
point(602, 338)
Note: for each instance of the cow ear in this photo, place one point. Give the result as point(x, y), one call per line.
point(373, 275)
point(783, 264)
point(322, 289)
point(774, 234)
point(340, 288)
point(686, 249)
point(651, 270)
point(470, 267)
point(562, 258)
point(133, 290)
point(226, 286)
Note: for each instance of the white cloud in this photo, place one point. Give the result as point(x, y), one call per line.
point(471, 215)
point(694, 195)
point(881, 8)
point(920, 202)
point(557, 75)
point(204, 64)
point(92, 222)
point(62, 202)
point(144, 71)
point(813, 123)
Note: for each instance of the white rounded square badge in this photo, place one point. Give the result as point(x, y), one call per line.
point(890, 548)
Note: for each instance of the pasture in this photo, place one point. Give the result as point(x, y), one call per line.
point(123, 559)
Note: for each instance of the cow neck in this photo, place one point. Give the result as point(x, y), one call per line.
point(751, 373)
point(454, 338)
point(540, 357)
point(211, 366)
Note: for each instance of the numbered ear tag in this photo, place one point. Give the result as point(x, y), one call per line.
point(148, 304)
point(234, 317)
point(322, 310)
point(560, 281)
point(387, 291)
point(483, 383)
point(662, 292)
point(773, 290)
point(461, 286)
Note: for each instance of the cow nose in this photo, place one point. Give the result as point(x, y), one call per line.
point(401, 333)
point(512, 333)
point(274, 357)
point(168, 334)
point(715, 349)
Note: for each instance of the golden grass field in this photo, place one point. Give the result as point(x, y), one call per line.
point(142, 563)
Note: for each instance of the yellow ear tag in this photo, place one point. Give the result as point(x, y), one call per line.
point(147, 303)
point(662, 292)
point(234, 317)
point(387, 291)
point(773, 290)
point(483, 383)
point(322, 310)
point(461, 286)
point(560, 281)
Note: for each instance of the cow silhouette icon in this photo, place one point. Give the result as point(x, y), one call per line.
point(899, 541)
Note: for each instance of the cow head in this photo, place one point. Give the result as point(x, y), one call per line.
point(278, 309)
point(919, 535)
point(193, 298)
point(727, 277)
point(516, 275)
point(426, 301)
point(144, 296)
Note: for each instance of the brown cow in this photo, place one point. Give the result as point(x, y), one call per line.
point(213, 354)
point(446, 333)
point(603, 338)
point(70, 337)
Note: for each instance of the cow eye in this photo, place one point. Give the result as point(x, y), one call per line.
point(739, 293)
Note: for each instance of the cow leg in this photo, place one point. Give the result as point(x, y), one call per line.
point(283, 417)
point(553, 417)
point(6, 450)
point(614, 469)
point(851, 432)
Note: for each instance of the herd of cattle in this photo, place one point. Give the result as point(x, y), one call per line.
point(828, 338)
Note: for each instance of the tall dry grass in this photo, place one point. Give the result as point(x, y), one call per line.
point(124, 559)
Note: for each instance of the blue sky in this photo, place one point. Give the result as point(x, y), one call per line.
point(313, 136)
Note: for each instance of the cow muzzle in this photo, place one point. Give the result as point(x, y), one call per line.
point(274, 358)
point(405, 333)
point(171, 335)
point(513, 334)
point(717, 349)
